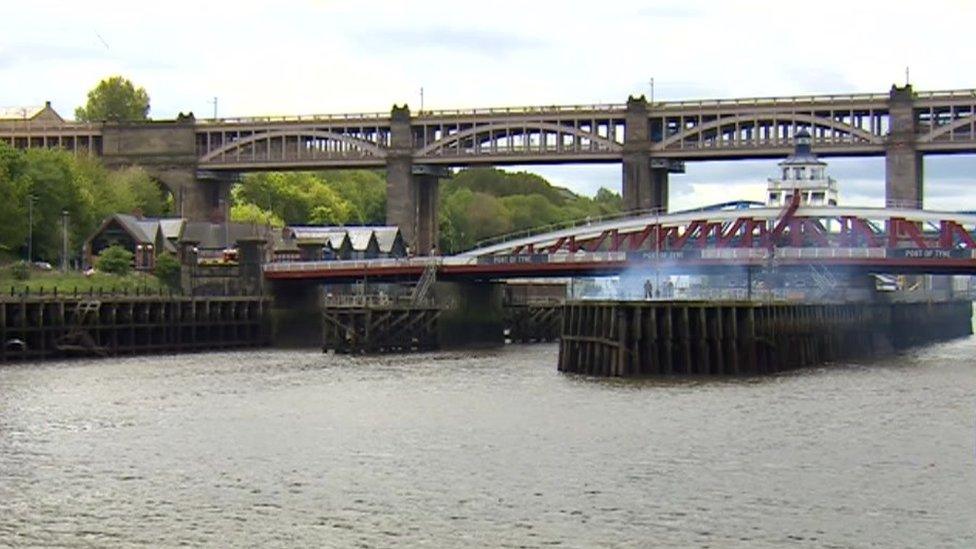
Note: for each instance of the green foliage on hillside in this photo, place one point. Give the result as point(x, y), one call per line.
point(483, 202)
point(356, 197)
point(475, 203)
point(60, 181)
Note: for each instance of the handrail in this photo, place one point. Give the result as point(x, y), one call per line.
point(20, 126)
point(338, 117)
point(596, 107)
point(755, 254)
point(542, 229)
point(524, 233)
point(9, 125)
point(526, 109)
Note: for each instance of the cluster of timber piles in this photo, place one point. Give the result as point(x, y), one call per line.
point(380, 328)
point(34, 328)
point(634, 338)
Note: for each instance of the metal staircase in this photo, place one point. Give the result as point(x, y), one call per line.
point(824, 280)
point(422, 290)
point(78, 339)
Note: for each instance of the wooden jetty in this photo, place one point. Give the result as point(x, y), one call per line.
point(372, 324)
point(647, 338)
point(533, 322)
point(41, 327)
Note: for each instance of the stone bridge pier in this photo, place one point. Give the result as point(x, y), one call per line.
point(645, 178)
point(167, 151)
point(903, 162)
point(411, 190)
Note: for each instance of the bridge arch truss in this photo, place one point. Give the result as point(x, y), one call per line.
point(594, 134)
point(292, 145)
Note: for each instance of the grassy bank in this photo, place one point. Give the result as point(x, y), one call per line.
point(70, 282)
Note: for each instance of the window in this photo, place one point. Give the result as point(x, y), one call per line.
point(786, 173)
point(797, 173)
point(773, 197)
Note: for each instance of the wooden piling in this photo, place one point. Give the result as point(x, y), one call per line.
point(44, 327)
point(627, 338)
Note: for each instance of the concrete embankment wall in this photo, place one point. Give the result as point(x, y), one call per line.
point(635, 338)
point(47, 327)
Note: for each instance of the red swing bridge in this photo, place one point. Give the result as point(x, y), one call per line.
point(869, 240)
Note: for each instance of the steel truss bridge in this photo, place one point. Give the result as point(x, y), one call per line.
point(874, 240)
point(854, 124)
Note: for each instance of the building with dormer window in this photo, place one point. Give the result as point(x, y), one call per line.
point(802, 172)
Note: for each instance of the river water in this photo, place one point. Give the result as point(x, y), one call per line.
point(498, 449)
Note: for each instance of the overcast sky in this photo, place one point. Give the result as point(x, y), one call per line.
point(304, 57)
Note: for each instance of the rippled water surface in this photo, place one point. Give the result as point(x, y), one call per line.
point(276, 448)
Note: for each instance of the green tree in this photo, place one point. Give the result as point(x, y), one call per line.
point(49, 178)
point(608, 201)
point(472, 216)
point(327, 207)
point(115, 260)
point(298, 198)
point(167, 270)
point(115, 99)
point(531, 210)
point(147, 196)
point(364, 190)
point(13, 207)
point(252, 213)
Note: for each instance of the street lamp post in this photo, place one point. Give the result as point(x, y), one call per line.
point(64, 240)
point(30, 228)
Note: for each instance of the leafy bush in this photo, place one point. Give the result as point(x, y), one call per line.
point(167, 270)
point(115, 259)
point(20, 271)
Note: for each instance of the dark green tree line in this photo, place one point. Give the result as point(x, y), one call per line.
point(58, 181)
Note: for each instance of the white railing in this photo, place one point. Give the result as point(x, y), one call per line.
point(68, 128)
point(581, 257)
point(546, 109)
point(939, 94)
point(830, 253)
point(735, 253)
point(766, 101)
point(274, 118)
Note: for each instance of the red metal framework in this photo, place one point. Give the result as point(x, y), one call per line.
point(791, 228)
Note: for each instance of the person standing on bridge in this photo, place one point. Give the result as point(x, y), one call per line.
point(648, 289)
